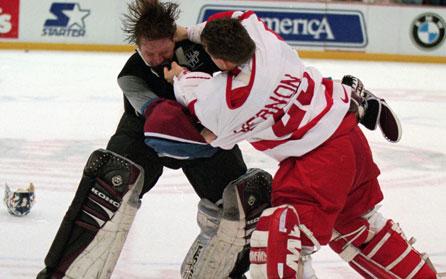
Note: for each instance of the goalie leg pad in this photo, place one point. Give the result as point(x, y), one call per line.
point(381, 253)
point(221, 248)
point(208, 219)
point(276, 247)
point(95, 227)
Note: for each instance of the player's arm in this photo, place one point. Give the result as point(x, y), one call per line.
point(132, 82)
point(172, 131)
point(136, 92)
point(208, 135)
point(185, 84)
point(174, 71)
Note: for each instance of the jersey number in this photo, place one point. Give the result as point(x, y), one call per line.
point(291, 119)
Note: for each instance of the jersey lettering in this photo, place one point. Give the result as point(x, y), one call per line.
point(280, 98)
point(290, 121)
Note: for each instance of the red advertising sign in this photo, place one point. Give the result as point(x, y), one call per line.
point(9, 19)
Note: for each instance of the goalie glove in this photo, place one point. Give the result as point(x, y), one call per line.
point(357, 95)
point(373, 111)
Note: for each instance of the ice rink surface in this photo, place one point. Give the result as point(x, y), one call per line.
point(57, 107)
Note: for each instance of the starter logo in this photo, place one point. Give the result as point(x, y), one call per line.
point(307, 27)
point(69, 20)
point(428, 31)
point(9, 19)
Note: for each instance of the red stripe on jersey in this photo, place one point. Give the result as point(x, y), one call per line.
point(249, 13)
point(246, 14)
point(227, 14)
point(197, 77)
point(299, 133)
point(191, 107)
point(329, 98)
point(237, 97)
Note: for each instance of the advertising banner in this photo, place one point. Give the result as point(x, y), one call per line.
point(317, 29)
point(307, 27)
point(9, 19)
point(65, 20)
point(428, 31)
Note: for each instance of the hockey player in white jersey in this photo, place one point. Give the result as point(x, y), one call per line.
point(326, 189)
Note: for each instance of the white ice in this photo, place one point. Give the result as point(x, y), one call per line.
point(57, 107)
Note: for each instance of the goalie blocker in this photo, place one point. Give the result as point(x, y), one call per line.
point(97, 222)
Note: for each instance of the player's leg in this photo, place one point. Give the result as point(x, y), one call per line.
point(96, 224)
point(308, 193)
point(221, 249)
point(377, 248)
point(128, 141)
point(371, 244)
point(210, 176)
point(289, 233)
point(276, 246)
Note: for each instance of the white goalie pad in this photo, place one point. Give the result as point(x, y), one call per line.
point(214, 252)
point(226, 229)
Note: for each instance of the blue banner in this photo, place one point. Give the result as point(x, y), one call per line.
point(302, 27)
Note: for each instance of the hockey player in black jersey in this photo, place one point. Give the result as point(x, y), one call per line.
point(94, 229)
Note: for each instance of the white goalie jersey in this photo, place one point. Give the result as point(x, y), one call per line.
point(276, 103)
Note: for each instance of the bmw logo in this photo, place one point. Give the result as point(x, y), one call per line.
point(428, 30)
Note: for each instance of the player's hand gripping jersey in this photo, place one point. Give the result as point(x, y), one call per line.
point(282, 107)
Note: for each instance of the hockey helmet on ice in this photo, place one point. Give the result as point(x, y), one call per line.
point(19, 202)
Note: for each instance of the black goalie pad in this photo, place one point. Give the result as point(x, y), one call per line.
point(100, 196)
point(254, 191)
